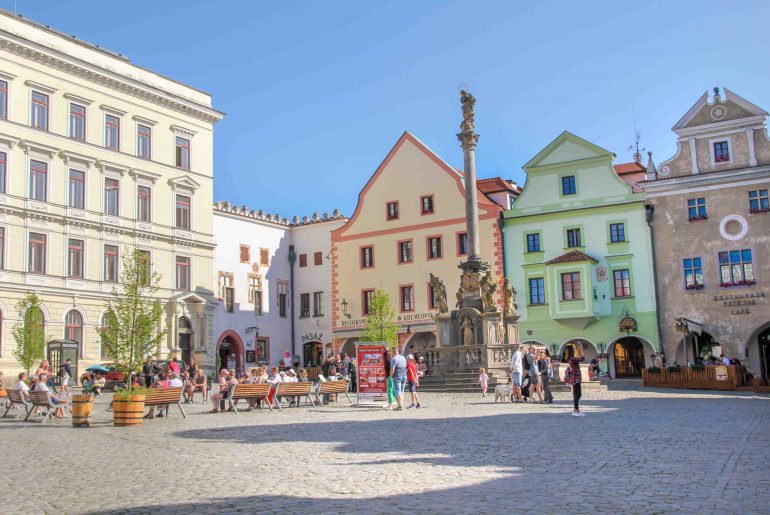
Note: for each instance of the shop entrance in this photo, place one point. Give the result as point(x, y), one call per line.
point(629, 357)
point(312, 354)
point(228, 354)
point(763, 340)
point(184, 338)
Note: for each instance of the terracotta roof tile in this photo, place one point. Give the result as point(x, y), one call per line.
point(573, 256)
point(495, 184)
point(624, 168)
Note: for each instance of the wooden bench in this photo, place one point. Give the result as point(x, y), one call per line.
point(43, 400)
point(164, 397)
point(332, 387)
point(303, 389)
point(248, 391)
point(14, 398)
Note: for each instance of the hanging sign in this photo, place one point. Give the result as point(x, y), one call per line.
point(371, 370)
point(721, 372)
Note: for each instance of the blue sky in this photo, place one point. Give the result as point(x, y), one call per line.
point(316, 93)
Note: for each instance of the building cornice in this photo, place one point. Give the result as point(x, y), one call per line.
point(672, 183)
point(68, 64)
point(259, 216)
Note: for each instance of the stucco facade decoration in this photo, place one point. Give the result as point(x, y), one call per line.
point(410, 174)
point(263, 304)
point(711, 230)
point(98, 155)
point(578, 252)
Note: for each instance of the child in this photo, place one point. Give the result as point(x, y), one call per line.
point(483, 382)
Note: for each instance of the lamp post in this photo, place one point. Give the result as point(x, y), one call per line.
point(344, 305)
point(553, 350)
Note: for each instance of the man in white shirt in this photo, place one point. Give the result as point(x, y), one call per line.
point(516, 371)
point(175, 382)
point(23, 388)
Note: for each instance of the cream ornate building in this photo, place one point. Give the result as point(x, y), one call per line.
point(98, 155)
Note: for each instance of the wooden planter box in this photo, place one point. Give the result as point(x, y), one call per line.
point(696, 379)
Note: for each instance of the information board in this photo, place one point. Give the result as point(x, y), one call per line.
point(371, 370)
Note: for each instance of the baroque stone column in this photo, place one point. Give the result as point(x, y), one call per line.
point(468, 140)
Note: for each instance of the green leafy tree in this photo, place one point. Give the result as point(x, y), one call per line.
point(381, 322)
point(29, 333)
point(134, 313)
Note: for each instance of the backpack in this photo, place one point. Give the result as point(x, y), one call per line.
point(568, 375)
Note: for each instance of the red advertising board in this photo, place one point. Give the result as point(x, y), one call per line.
point(371, 369)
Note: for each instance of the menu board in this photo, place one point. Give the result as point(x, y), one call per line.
point(371, 369)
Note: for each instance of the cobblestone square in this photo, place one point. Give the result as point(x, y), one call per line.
point(635, 451)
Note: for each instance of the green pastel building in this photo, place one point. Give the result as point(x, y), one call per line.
point(577, 249)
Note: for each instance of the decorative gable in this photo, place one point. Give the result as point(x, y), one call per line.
point(183, 182)
point(707, 111)
point(567, 148)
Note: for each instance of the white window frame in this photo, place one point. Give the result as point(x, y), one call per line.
point(41, 91)
point(116, 177)
point(185, 193)
point(189, 273)
point(84, 257)
point(47, 251)
point(139, 120)
point(85, 120)
point(144, 184)
point(4, 249)
point(6, 145)
point(721, 139)
point(104, 268)
point(35, 156)
point(84, 171)
point(152, 260)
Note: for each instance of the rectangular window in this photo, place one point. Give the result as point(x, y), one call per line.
point(696, 209)
point(264, 257)
point(617, 233)
point(182, 153)
point(256, 298)
point(182, 212)
point(568, 185)
point(570, 286)
point(693, 274)
point(225, 281)
point(318, 259)
point(143, 141)
point(39, 111)
point(537, 290)
point(405, 251)
point(622, 283)
point(391, 210)
point(2, 248)
point(431, 297)
point(229, 300)
point(462, 244)
point(366, 301)
point(182, 273)
point(736, 268)
point(304, 305)
point(111, 197)
point(3, 168)
point(112, 132)
point(426, 205)
point(533, 242)
point(302, 260)
point(282, 305)
point(721, 152)
point(255, 292)
point(37, 252)
point(758, 200)
point(77, 122)
point(38, 180)
point(245, 256)
point(318, 307)
point(111, 263)
point(407, 298)
point(367, 257)
point(145, 270)
point(144, 204)
point(3, 99)
point(434, 247)
point(573, 238)
point(75, 258)
point(77, 189)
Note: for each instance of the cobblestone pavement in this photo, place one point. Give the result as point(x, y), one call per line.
point(634, 451)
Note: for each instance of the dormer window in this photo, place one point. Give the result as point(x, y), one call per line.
point(721, 152)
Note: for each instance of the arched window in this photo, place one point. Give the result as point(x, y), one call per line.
point(184, 324)
point(1, 334)
point(73, 329)
point(108, 320)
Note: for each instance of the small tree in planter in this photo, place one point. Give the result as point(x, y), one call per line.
point(29, 333)
point(135, 315)
point(380, 323)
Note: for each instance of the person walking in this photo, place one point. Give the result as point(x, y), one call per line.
point(546, 371)
point(398, 373)
point(65, 373)
point(414, 381)
point(148, 372)
point(534, 375)
point(516, 370)
point(572, 377)
point(483, 381)
point(389, 381)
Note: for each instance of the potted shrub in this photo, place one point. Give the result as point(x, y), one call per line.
point(675, 368)
point(653, 370)
point(132, 331)
point(697, 367)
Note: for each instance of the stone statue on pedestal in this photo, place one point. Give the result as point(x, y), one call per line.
point(467, 101)
point(460, 297)
point(467, 330)
point(509, 294)
point(439, 293)
point(488, 288)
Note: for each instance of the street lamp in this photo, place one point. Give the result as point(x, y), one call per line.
point(553, 350)
point(344, 305)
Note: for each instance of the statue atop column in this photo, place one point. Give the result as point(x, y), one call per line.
point(488, 290)
point(467, 101)
point(439, 293)
point(509, 296)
